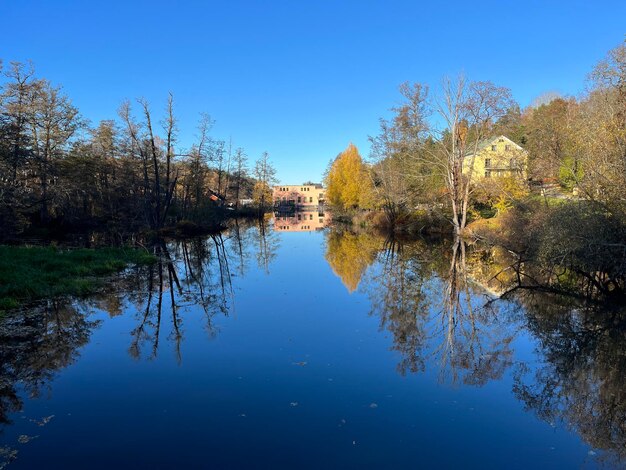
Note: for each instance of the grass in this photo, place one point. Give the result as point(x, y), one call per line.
point(28, 274)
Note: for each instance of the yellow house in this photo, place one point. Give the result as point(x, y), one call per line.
point(299, 195)
point(496, 157)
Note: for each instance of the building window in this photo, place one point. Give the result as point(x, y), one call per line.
point(298, 199)
point(507, 147)
point(493, 148)
point(310, 216)
point(487, 173)
point(487, 162)
point(310, 199)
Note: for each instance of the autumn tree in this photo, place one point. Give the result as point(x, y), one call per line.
point(400, 176)
point(550, 128)
point(602, 134)
point(349, 186)
point(52, 121)
point(265, 175)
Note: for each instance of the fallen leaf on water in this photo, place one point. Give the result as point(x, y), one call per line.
point(43, 421)
point(7, 455)
point(373, 405)
point(24, 439)
point(293, 403)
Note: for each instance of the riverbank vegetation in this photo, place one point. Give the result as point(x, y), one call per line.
point(28, 274)
point(60, 174)
point(561, 202)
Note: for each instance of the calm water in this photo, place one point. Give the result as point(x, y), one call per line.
point(274, 348)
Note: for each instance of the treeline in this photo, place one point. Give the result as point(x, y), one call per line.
point(570, 192)
point(58, 173)
point(420, 156)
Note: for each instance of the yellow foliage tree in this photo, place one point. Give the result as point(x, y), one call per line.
point(348, 183)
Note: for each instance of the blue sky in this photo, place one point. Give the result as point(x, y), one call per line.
point(300, 79)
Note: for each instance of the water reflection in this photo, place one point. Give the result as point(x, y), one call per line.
point(581, 379)
point(424, 296)
point(439, 301)
point(350, 253)
point(267, 242)
point(301, 221)
point(34, 346)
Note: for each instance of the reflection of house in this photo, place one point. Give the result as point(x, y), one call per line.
point(299, 196)
point(305, 221)
point(496, 157)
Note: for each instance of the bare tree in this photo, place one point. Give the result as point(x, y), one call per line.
point(468, 111)
point(149, 147)
point(240, 172)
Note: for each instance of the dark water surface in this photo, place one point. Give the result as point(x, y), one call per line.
point(312, 349)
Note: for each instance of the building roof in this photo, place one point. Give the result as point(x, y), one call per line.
point(316, 185)
point(489, 140)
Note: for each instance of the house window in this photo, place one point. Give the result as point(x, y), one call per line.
point(493, 148)
point(298, 199)
point(500, 140)
point(310, 199)
point(487, 173)
point(311, 217)
point(507, 147)
point(487, 162)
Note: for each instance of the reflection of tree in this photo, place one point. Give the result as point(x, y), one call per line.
point(400, 300)
point(34, 345)
point(349, 254)
point(187, 274)
point(267, 244)
point(424, 298)
point(239, 242)
point(428, 300)
point(477, 338)
point(583, 377)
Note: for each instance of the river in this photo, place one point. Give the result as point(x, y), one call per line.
point(291, 345)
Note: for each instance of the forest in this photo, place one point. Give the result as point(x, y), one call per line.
point(60, 174)
point(566, 206)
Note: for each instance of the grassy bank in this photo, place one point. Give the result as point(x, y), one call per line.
point(415, 223)
point(28, 274)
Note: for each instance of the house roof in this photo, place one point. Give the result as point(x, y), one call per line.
point(489, 140)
